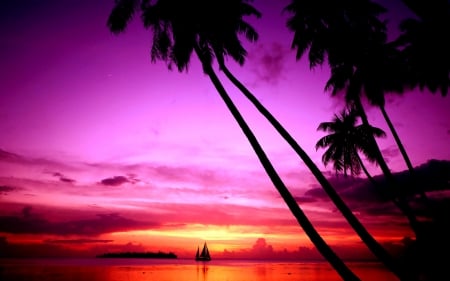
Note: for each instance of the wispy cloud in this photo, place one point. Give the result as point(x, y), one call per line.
point(271, 60)
point(5, 189)
point(31, 223)
point(77, 241)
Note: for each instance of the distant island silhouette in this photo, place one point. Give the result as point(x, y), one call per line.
point(142, 255)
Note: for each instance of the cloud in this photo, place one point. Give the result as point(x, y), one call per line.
point(363, 196)
point(77, 241)
point(5, 189)
point(63, 178)
point(30, 223)
point(305, 199)
point(390, 152)
point(358, 193)
point(271, 62)
point(9, 156)
point(114, 181)
point(261, 249)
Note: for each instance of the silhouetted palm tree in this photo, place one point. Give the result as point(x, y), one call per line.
point(373, 71)
point(206, 27)
point(344, 142)
point(424, 45)
point(342, 33)
point(365, 236)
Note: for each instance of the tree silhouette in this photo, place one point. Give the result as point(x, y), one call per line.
point(424, 45)
point(365, 236)
point(340, 32)
point(344, 142)
point(212, 27)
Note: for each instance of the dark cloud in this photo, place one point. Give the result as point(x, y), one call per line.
point(114, 181)
point(133, 178)
point(317, 193)
point(77, 241)
point(305, 199)
point(433, 175)
point(271, 62)
point(9, 156)
point(5, 189)
point(31, 223)
point(340, 183)
point(390, 152)
point(63, 178)
point(363, 196)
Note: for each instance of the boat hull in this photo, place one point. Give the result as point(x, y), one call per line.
point(202, 259)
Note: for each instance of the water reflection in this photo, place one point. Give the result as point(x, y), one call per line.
point(202, 272)
point(185, 271)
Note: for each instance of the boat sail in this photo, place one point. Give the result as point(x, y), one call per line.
point(204, 255)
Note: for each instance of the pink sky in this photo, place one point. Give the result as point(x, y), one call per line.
point(102, 150)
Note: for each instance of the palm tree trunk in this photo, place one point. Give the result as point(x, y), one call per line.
point(403, 152)
point(374, 182)
point(363, 167)
point(302, 219)
point(397, 198)
point(365, 236)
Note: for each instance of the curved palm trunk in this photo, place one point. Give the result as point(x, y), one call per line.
point(363, 167)
point(403, 151)
point(302, 219)
point(398, 199)
point(365, 236)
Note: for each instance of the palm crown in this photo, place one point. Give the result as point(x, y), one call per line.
point(345, 140)
point(179, 26)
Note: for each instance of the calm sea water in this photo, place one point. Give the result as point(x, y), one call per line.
point(178, 270)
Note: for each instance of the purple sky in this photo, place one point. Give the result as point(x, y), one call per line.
point(82, 109)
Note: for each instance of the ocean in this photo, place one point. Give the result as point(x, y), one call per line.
point(117, 269)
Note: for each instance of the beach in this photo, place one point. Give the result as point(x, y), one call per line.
point(179, 270)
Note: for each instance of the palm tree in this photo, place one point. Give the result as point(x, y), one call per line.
point(377, 69)
point(365, 236)
point(345, 141)
point(373, 71)
point(345, 34)
point(181, 28)
point(424, 44)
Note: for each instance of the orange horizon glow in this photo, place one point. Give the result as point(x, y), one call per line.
point(102, 150)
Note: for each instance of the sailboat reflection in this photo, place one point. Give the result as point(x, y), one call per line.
point(202, 272)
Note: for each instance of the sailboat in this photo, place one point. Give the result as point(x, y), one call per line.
point(204, 255)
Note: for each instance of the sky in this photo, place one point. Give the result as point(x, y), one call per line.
point(102, 150)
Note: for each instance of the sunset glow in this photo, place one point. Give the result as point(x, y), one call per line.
point(102, 150)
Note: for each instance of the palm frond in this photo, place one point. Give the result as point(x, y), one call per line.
point(121, 14)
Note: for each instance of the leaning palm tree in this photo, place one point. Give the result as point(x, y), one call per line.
point(365, 236)
point(373, 245)
point(343, 35)
point(344, 142)
point(203, 27)
point(372, 72)
point(332, 31)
